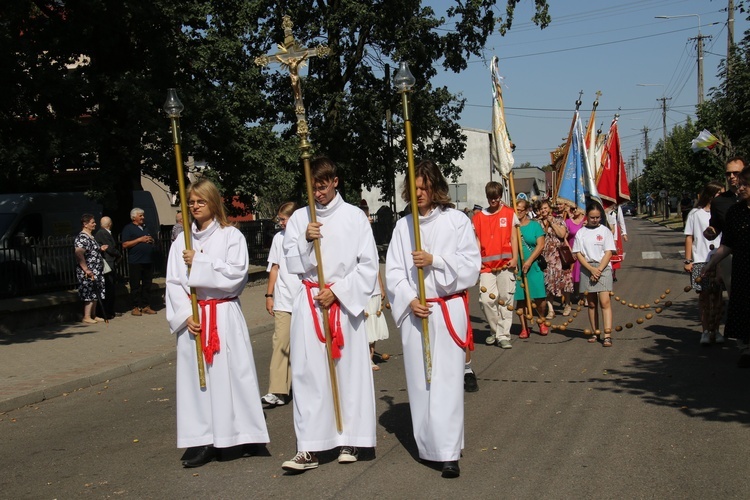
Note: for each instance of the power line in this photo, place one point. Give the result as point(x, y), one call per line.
point(588, 46)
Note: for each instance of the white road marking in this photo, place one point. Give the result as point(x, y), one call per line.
point(650, 255)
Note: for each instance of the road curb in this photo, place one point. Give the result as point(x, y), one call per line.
point(90, 380)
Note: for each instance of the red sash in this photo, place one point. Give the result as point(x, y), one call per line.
point(212, 344)
point(469, 342)
point(616, 259)
point(334, 321)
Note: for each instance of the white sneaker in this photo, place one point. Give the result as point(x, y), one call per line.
point(348, 455)
point(504, 344)
point(719, 338)
point(273, 400)
point(490, 340)
point(550, 311)
point(706, 338)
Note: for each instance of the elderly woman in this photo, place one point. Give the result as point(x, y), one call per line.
point(556, 279)
point(90, 268)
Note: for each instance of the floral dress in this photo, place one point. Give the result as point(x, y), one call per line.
point(556, 279)
point(572, 230)
point(88, 289)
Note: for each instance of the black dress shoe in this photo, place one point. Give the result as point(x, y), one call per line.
point(201, 456)
point(470, 382)
point(451, 469)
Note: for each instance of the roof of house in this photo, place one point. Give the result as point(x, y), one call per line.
point(526, 185)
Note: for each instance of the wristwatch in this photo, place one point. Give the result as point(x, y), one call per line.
point(688, 261)
point(269, 295)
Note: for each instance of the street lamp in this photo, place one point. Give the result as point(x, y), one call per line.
point(173, 107)
point(404, 81)
point(699, 40)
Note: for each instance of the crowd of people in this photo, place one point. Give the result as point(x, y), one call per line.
point(97, 258)
point(526, 259)
point(541, 255)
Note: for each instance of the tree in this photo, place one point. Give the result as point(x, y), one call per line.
point(677, 168)
point(103, 117)
point(727, 111)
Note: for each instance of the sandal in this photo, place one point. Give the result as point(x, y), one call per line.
point(607, 342)
point(593, 339)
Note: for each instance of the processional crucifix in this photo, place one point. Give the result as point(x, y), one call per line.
point(292, 56)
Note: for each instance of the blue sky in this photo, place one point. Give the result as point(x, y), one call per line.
point(606, 45)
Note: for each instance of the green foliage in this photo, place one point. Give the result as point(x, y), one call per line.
point(676, 168)
point(726, 114)
point(102, 120)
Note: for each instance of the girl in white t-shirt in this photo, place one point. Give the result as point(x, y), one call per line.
point(593, 247)
point(697, 250)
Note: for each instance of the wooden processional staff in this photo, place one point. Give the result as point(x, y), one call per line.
point(292, 56)
point(404, 81)
point(173, 107)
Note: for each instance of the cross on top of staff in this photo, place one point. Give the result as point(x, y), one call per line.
point(291, 55)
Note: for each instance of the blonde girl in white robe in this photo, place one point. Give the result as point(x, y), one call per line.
point(228, 411)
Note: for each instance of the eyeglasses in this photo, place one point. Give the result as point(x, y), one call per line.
point(321, 189)
point(730, 173)
point(197, 203)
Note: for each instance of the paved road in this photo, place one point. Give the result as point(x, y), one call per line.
point(656, 416)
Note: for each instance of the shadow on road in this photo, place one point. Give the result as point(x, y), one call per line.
point(676, 371)
point(396, 420)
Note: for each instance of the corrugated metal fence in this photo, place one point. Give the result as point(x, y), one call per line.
point(43, 265)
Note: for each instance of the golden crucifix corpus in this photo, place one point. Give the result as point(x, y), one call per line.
point(292, 56)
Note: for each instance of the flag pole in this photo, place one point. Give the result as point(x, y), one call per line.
point(519, 243)
point(567, 144)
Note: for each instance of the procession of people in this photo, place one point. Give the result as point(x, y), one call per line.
point(499, 249)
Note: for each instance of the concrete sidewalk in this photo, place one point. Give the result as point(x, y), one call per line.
point(44, 362)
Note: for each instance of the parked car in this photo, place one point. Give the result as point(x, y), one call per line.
point(629, 209)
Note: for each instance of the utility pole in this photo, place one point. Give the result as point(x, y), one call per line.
point(645, 140)
point(699, 41)
point(637, 179)
point(637, 156)
point(664, 117)
point(730, 35)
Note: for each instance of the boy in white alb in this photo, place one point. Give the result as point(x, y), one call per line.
point(350, 267)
